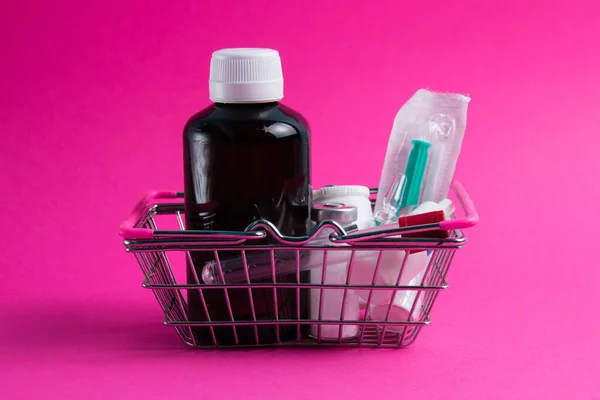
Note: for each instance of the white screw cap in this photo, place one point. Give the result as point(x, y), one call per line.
point(245, 76)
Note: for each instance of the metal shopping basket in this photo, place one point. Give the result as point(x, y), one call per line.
point(160, 251)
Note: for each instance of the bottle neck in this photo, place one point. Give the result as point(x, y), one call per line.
point(247, 106)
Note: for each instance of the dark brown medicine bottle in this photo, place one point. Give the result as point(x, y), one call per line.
point(246, 157)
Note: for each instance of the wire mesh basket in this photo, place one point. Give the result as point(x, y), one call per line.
point(222, 289)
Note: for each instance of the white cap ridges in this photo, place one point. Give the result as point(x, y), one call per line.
point(342, 190)
point(245, 76)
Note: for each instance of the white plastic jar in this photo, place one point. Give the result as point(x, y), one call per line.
point(350, 195)
point(332, 304)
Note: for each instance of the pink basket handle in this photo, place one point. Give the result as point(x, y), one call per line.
point(471, 217)
point(370, 236)
point(128, 228)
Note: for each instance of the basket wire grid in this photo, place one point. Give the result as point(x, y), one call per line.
point(152, 248)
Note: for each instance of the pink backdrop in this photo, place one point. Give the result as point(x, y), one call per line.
point(93, 99)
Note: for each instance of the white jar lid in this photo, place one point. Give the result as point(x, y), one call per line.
point(328, 192)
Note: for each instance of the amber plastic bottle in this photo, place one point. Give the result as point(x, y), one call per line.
point(246, 157)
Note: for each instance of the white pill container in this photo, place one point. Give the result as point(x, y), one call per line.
point(332, 304)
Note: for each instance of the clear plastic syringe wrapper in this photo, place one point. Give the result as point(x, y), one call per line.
point(422, 152)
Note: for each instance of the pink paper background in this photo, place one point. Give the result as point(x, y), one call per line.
point(93, 97)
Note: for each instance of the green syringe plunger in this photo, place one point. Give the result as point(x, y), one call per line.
point(415, 171)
